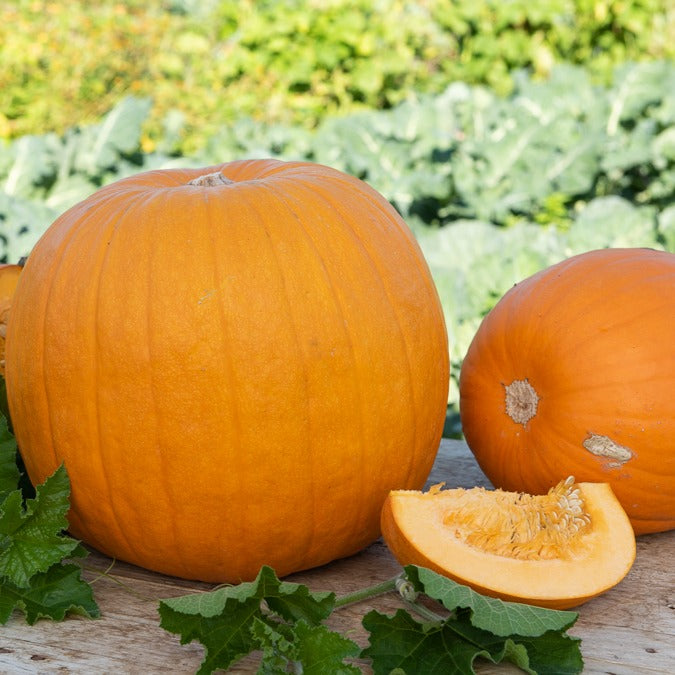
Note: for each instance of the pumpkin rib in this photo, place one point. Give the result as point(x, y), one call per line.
point(219, 221)
point(48, 288)
point(609, 384)
point(385, 208)
point(225, 332)
point(360, 407)
point(617, 325)
point(334, 204)
point(60, 262)
point(330, 205)
point(214, 222)
point(310, 540)
point(407, 350)
point(253, 207)
point(420, 262)
point(337, 207)
point(306, 539)
point(271, 187)
point(114, 225)
point(120, 225)
point(521, 299)
point(163, 201)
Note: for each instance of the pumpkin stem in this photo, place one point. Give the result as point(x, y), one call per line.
point(400, 584)
point(211, 180)
point(367, 593)
point(521, 401)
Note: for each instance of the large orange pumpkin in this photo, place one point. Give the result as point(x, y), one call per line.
point(573, 372)
point(235, 364)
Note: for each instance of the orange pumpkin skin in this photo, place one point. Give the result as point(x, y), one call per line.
point(234, 374)
point(9, 277)
point(594, 337)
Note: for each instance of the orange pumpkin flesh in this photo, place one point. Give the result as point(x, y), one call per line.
point(557, 550)
point(234, 369)
point(9, 277)
point(572, 373)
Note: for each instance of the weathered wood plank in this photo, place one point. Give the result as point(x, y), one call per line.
point(629, 630)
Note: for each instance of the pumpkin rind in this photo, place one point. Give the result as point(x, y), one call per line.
point(593, 338)
point(9, 277)
point(234, 374)
point(418, 531)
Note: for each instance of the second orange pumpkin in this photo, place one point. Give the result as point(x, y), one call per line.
point(573, 372)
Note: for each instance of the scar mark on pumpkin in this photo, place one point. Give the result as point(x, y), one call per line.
point(604, 446)
point(206, 296)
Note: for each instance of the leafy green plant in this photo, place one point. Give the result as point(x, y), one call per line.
point(495, 38)
point(540, 155)
point(284, 621)
point(37, 575)
point(206, 64)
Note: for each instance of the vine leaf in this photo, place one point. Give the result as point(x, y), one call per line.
point(35, 577)
point(280, 618)
point(51, 594)
point(532, 638)
point(32, 537)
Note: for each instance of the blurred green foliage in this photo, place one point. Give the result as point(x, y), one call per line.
point(207, 63)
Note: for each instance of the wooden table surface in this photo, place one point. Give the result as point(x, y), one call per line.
point(629, 630)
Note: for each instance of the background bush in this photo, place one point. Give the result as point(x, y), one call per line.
point(207, 63)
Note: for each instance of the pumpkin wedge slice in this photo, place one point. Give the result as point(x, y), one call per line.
point(556, 550)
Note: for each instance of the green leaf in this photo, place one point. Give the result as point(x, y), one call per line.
point(9, 471)
point(24, 221)
point(51, 594)
point(400, 642)
point(291, 601)
point(316, 648)
point(490, 614)
point(226, 636)
point(32, 162)
point(118, 133)
point(226, 621)
point(553, 654)
point(321, 651)
point(451, 647)
point(667, 227)
point(611, 222)
point(533, 638)
point(32, 536)
point(276, 644)
point(552, 651)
